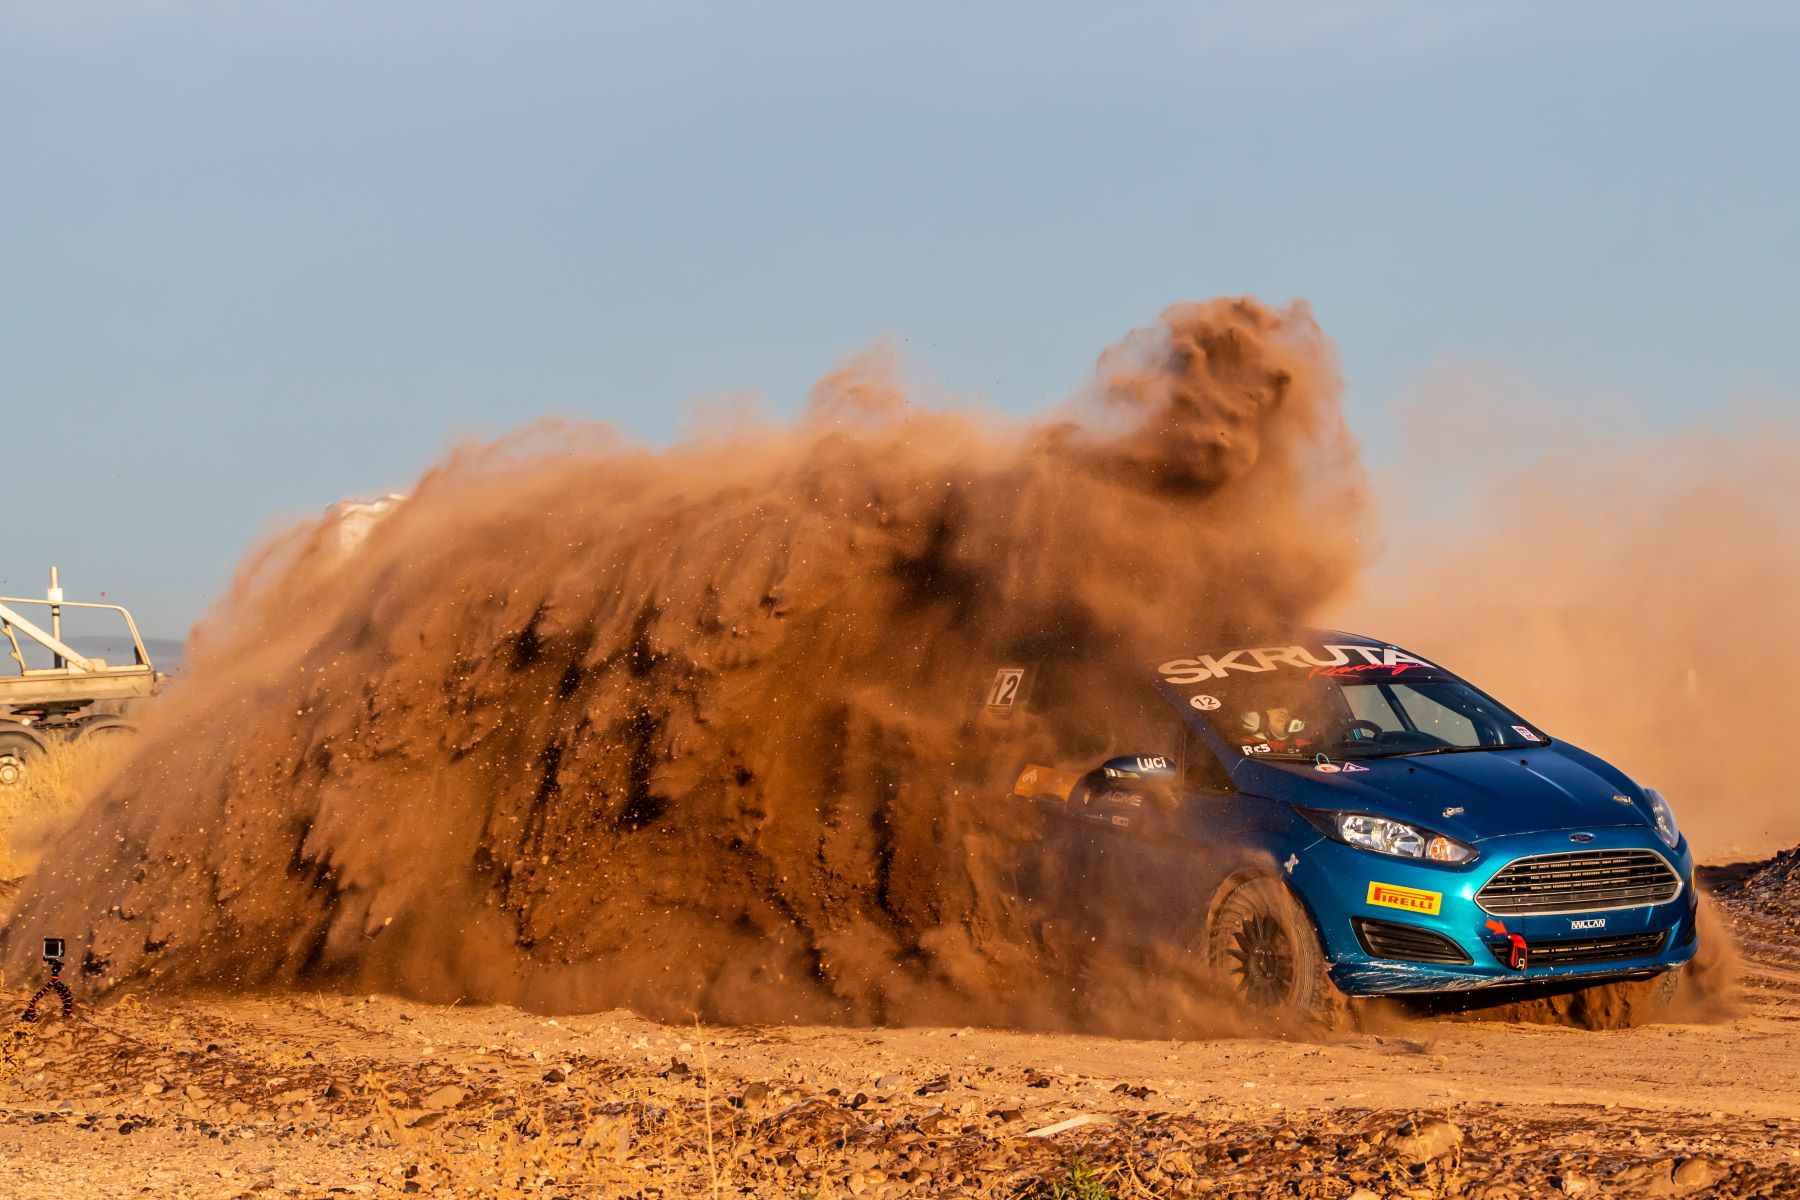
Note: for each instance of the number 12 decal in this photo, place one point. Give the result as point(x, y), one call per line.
point(1005, 689)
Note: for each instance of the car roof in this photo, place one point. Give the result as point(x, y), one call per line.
point(1284, 636)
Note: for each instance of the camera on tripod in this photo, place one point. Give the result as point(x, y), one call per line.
point(55, 949)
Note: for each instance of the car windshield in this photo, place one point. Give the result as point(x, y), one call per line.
point(1377, 710)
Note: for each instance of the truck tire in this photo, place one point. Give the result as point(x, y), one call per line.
point(1262, 947)
point(103, 731)
point(19, 751)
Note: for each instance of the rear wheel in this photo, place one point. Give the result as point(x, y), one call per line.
point(20, 751)
point(103, 731)
point(1261, 945)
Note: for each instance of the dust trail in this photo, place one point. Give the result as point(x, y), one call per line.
point(1631, 589)
point(583, 724)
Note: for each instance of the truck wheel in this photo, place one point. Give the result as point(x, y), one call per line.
point(1261, 945)
point(103, 731)
point(19, 750)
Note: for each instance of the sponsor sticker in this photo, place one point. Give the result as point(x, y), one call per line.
point(1390, 895)
point(1328, 659)
point(1327, 768)
point(1527, 734)
point(1590, 923)
point(1039, 780)
point(1349, 767)
point(1205, 703)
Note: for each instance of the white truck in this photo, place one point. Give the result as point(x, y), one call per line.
point(51, 692)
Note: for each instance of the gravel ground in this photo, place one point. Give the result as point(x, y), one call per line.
point(318, 1096)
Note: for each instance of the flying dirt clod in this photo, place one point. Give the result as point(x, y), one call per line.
point(581, 724)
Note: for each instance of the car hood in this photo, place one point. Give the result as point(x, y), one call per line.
point(1469, 795)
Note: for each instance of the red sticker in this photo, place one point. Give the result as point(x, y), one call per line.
point(1527, 734)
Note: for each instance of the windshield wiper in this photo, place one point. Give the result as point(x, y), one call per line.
point(1446, 750)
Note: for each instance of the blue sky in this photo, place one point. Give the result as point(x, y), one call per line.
point(257, 257)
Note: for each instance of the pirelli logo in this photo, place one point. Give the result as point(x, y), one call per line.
point(1409, 899)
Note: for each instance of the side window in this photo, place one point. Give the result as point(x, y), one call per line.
point(1435, 719)
point(1203, 770)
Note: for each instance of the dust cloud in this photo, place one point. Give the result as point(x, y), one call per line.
point(581, 724)
point(1628, 587)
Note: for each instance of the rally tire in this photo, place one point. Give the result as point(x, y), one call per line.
point(1262, 948)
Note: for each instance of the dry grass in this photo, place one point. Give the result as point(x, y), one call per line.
point(62, 782)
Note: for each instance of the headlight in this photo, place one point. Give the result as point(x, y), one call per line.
point(1666, 829)
point(1390, 837)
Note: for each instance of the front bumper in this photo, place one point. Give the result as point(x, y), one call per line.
point(1341, 885)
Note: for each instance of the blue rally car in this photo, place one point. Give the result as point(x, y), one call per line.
point(1335, 816)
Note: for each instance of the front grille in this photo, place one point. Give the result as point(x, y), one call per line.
point(1580, 881)
point(1587, 950)
point(1388, 939)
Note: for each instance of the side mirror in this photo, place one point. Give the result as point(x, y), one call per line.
point(1142, 768)
point(1151, 775)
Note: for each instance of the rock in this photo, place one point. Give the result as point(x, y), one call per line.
point(1425, 1141)
point(448, 1096)
point(1697, 1173)
point(1646, 1179)
point(556, 1075)
point(334, 1092)
point(194, 1091)
point(1574, 1183)
point(755, 1094)
point(1362, 1194)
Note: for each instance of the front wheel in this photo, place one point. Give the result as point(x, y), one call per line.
point(1261, 945)
point(19, 754)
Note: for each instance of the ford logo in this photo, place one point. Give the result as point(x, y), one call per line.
point(1581, 837)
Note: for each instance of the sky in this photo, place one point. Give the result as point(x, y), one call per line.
point(255, 258)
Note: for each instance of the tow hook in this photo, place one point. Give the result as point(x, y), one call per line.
point(1520, 955)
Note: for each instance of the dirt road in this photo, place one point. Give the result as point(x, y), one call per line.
point(315, 1096)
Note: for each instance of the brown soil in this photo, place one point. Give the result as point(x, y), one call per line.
point(321, 1095)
